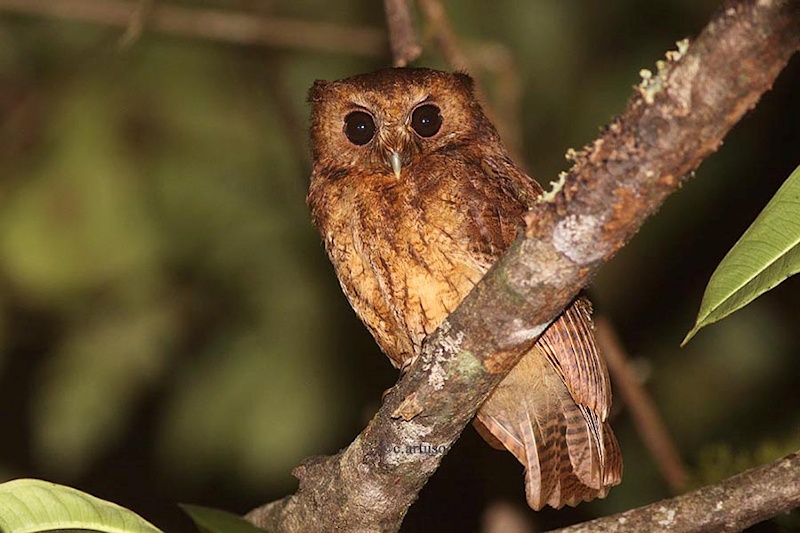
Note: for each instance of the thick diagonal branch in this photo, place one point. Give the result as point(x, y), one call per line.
point(673, 122)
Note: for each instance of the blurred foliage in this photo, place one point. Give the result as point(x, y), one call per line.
point(171, 329)
point(719, 461)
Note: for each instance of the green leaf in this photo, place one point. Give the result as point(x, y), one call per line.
point(216, 521)
point(30, 505)
point(767, 254)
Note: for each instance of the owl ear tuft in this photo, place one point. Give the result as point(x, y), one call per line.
point(466, 81)
point(316, 90)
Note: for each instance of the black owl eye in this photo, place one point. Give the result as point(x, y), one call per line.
point(426, 120)
point(359, 127)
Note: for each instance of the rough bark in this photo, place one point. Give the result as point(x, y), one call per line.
point(732, 505)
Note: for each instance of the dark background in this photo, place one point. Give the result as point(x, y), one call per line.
point(171, 330)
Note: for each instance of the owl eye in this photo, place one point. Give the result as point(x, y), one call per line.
point(359, 127)
point(426, 120)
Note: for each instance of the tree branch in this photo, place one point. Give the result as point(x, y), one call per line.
point(503, 111)
point(402, 37)
point(211, 24)
point(436, 17)
point(676, 119)
point(732, 505)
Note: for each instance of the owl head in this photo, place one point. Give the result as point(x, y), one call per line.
point(386, 121)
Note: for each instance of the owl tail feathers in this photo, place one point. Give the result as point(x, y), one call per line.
point(569, 455)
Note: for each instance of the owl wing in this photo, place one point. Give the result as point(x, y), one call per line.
point(570, 346)
point(551, 409)
point(550, 412)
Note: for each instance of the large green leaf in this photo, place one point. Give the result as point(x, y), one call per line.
point(215, 521)
point(767, 254)
point(31, 505)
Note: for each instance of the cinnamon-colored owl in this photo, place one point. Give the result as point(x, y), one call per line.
point(415, 198)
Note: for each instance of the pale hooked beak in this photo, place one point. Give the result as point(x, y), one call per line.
point(396, 162)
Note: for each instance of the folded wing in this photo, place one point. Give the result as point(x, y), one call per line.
point(551, 411)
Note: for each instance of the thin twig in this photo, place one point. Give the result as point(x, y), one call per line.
point(649, 423)
point(496, 59)
point(443, 33)
point(214, 24)
point(731, 505)
point(402, 36)
point(136, 25)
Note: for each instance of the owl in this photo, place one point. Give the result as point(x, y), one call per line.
point(415, 198)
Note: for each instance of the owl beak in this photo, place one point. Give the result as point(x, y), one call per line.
point(395, 161)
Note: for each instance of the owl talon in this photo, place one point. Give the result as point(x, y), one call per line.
point(385, 393)
point(406, 364)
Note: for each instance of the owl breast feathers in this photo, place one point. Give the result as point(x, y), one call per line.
point(415, 198)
